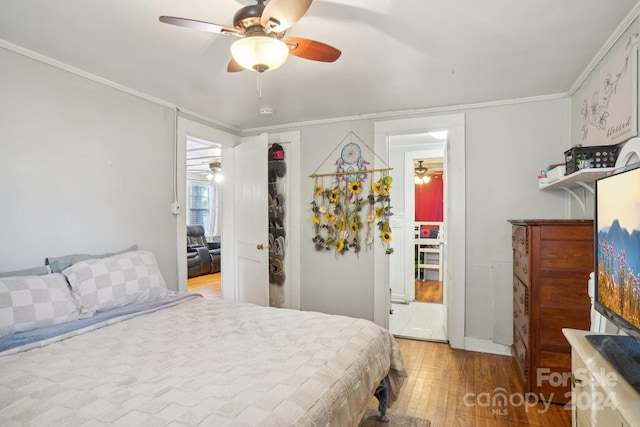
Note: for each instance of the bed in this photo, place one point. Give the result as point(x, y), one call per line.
point(154, 357)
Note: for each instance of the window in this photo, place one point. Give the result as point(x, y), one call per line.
point(200, 204)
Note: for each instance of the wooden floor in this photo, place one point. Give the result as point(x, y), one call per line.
point(429, 291)
point(452, 387)
point(208, 285)
point(457, 387)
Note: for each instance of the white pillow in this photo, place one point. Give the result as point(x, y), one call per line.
point(106, 283)
point(30, 302)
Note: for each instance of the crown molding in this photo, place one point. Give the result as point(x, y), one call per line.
point(77, 71)
point(606, 47)
point(406, 113)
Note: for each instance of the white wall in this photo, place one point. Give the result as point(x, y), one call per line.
point(576, 123)
point(84, 168)
point(506, 148)
point(340, 284)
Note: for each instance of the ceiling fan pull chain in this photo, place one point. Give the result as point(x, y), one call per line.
point(259, 86)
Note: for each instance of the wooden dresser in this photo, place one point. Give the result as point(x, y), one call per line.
point(552, 260)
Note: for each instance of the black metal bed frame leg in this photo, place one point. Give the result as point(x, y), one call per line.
point(382, 394)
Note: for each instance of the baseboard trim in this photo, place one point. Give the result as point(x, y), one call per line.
point(486, 346)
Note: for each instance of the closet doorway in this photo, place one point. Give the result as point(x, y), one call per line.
point(418, 288)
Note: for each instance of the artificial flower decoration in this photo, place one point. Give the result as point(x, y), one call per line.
point(376, 187)
point(355, 187)
point(353, 227)
point(344, 218)
point(383, 210)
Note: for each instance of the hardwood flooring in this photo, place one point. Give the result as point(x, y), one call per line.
point(429, 291)
point(208, 285)
point(457, 388)
point(452, 387)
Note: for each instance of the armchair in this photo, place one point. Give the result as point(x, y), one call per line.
point(198, 261)
point(209, 251)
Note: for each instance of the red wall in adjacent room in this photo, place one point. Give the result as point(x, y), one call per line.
point(429, 200)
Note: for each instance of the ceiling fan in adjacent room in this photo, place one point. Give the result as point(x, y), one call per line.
point(261, 28)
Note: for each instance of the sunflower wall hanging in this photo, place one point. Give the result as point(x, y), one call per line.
point(350, 207)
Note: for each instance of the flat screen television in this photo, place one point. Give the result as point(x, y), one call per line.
point(617, 268)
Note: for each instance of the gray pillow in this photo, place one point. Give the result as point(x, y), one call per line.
point(106, 283)
point(58, 264)
point(30, 302)
point(34, 271)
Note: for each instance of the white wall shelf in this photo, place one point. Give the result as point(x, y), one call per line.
point(583, 178)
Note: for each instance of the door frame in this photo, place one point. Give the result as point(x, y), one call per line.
point(455, 224)
point(293, 260)
point(425, 152)
point(185, 128)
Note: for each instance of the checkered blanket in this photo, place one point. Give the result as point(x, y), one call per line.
point(207, 363)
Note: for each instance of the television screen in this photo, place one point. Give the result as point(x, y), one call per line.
point(617, 252)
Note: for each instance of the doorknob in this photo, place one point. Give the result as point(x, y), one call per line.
point(260, 246)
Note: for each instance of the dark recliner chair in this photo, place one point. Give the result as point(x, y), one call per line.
point(202, 257)
point(198, 261)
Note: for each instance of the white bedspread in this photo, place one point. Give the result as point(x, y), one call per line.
point(206, 363)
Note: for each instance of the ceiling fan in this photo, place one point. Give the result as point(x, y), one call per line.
point(261, 28)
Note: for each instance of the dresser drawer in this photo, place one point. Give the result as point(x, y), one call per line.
point(520, 296)
point(520, 356)
point(520, 317)
point(520, 238)
point(521, 266)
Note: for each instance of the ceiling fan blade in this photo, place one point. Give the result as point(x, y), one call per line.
point(279, 15)
point(234, 67)
point(311, 49)
point(200, 25)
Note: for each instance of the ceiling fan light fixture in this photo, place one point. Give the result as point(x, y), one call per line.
point(259, 53)
point(420, 174)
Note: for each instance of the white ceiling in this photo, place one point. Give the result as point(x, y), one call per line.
point(396, 54)
point(200, 155)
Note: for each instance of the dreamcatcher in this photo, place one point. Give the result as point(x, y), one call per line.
point(349, 207)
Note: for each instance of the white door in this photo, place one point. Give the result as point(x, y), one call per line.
point(251, 220)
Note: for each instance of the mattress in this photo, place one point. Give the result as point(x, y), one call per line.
point(202, 362)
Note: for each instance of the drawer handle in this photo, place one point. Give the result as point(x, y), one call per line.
point(521, 299)
point(525, 270)
point(522, 240)
point(522, 357)
point(524, 329)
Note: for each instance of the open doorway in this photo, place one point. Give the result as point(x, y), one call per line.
point(203, 188)
point(418, 295)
